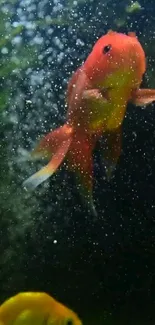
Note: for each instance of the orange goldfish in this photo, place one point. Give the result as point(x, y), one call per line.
point(97, 98)
point(30, 308)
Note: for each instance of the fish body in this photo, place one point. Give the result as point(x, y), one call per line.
point(36, 308)
point(97, 97)
point(99, 91)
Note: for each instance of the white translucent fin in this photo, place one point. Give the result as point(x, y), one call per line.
point(36, 179)
point(92, 209)
point(109, 169)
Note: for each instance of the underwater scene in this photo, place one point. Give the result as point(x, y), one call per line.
point(77, 162)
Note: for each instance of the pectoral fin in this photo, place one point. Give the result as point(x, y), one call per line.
point(96, 96)
point(112, 144)
point(143, 97)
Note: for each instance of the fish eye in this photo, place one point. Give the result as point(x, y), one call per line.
point(107, 48)
point(69, 322)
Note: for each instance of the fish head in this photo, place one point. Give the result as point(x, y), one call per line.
point(64, 321)
point(117, 60)
point(63, 316)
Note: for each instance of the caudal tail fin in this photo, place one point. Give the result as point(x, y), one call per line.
point(55, 144)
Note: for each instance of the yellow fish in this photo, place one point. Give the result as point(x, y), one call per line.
point(36, 308)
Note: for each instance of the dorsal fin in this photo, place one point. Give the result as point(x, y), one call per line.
point(110, 31)
point(132, 34)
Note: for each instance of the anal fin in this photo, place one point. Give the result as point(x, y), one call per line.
point(80, 161)
point(111, 148)
point(85, 186)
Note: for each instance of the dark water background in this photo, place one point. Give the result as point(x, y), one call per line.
point(104, 270)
